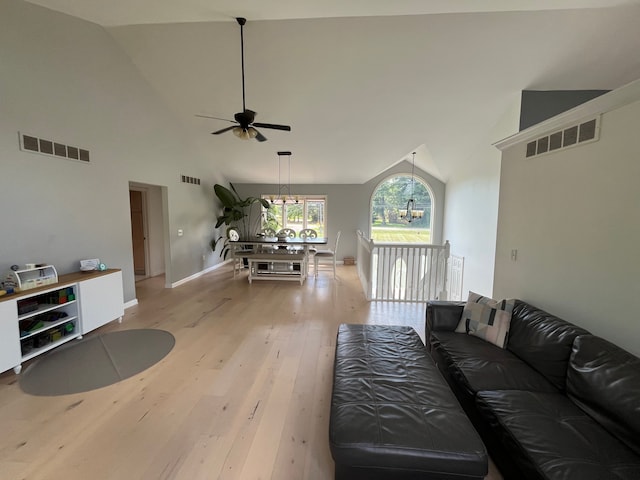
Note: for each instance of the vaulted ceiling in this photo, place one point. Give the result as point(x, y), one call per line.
point(363, 83)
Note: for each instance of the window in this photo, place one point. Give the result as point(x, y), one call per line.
point(297, 213)
point(388, 206)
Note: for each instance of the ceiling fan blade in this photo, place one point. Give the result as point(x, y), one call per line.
point(215, 118)
point(218, 132)
point(273, 126)
point(260, 137)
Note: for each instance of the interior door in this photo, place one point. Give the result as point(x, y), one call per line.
point(136, 201)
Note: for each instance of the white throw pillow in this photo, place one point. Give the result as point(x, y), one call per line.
point(486, 318)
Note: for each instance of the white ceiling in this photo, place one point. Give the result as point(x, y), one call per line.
point(134, 12)
point(363, 83)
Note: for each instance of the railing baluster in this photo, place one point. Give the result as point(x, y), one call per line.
point(407, 272)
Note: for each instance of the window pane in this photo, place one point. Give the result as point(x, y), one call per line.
point(274, 217)
point(395, 218)
point(306, 213)
point(295, 218)
point(315, 216)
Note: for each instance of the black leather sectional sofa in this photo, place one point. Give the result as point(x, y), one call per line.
point(555, 403)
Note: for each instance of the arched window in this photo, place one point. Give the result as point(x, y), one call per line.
point(392, 221)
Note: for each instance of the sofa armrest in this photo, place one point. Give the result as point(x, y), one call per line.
point(443, 316)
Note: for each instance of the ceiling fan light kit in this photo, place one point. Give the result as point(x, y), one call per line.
point(244, 120)
point(245, 134)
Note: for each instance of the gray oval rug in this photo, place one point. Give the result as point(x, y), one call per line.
point(96, 361)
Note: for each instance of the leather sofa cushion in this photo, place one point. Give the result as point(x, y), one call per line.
point(604, 380)
point(478, 365)
point(549, 437)
point(542, 340)
point(391, 409)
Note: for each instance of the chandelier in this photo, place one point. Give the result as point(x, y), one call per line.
point(284, 189)
point(411, 212)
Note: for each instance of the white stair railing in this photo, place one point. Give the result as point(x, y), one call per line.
point(404, 272)
point(364, 256)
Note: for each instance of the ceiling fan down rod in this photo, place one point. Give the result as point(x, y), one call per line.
point(241, 21)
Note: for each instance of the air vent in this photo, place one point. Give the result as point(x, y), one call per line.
point(568, 137)
point(191, 180)
point(30, 143)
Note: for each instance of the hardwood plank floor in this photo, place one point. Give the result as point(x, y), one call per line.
point(244, 394)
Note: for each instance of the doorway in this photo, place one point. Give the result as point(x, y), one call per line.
point(147, 230)
point(137, 203)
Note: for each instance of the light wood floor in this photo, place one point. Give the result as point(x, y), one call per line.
point(243, 395)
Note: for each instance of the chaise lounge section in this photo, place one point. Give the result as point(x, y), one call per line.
point(555, 403)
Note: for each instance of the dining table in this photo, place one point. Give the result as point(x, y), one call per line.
point(264, 243)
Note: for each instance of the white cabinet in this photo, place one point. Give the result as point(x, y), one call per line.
point(101, 301)
point(35, 321)
point(47, 320)
point(9, 345)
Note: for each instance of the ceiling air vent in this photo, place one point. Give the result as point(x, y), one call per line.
point(30, 143)
point(568, 137)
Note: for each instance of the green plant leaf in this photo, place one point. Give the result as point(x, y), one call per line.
point(235, 191)
point(236, 211)
point(264, 203)
point(225, 196)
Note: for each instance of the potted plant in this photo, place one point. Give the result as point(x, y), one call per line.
point(237, 213)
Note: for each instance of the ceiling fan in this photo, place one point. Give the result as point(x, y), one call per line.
point(244, 125)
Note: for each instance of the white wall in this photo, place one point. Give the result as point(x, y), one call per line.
point(471, 206)
point(65, 79)
point(574, 218)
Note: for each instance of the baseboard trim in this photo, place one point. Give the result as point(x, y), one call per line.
point(198, 274)
point(131, 303)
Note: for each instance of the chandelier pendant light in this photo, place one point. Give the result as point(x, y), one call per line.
point(284, 189)
point(411, 212)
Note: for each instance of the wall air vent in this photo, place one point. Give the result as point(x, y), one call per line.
point(33, 144)
point(191, 180)
point(588, 131)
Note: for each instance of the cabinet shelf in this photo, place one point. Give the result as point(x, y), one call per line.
point(37, 351)
point(43, 308)
point(49, 325)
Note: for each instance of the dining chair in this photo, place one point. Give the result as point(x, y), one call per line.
point(238, 252)
point(326, 255)
point(309, 233)
point(268, 233)
point(286, 232)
